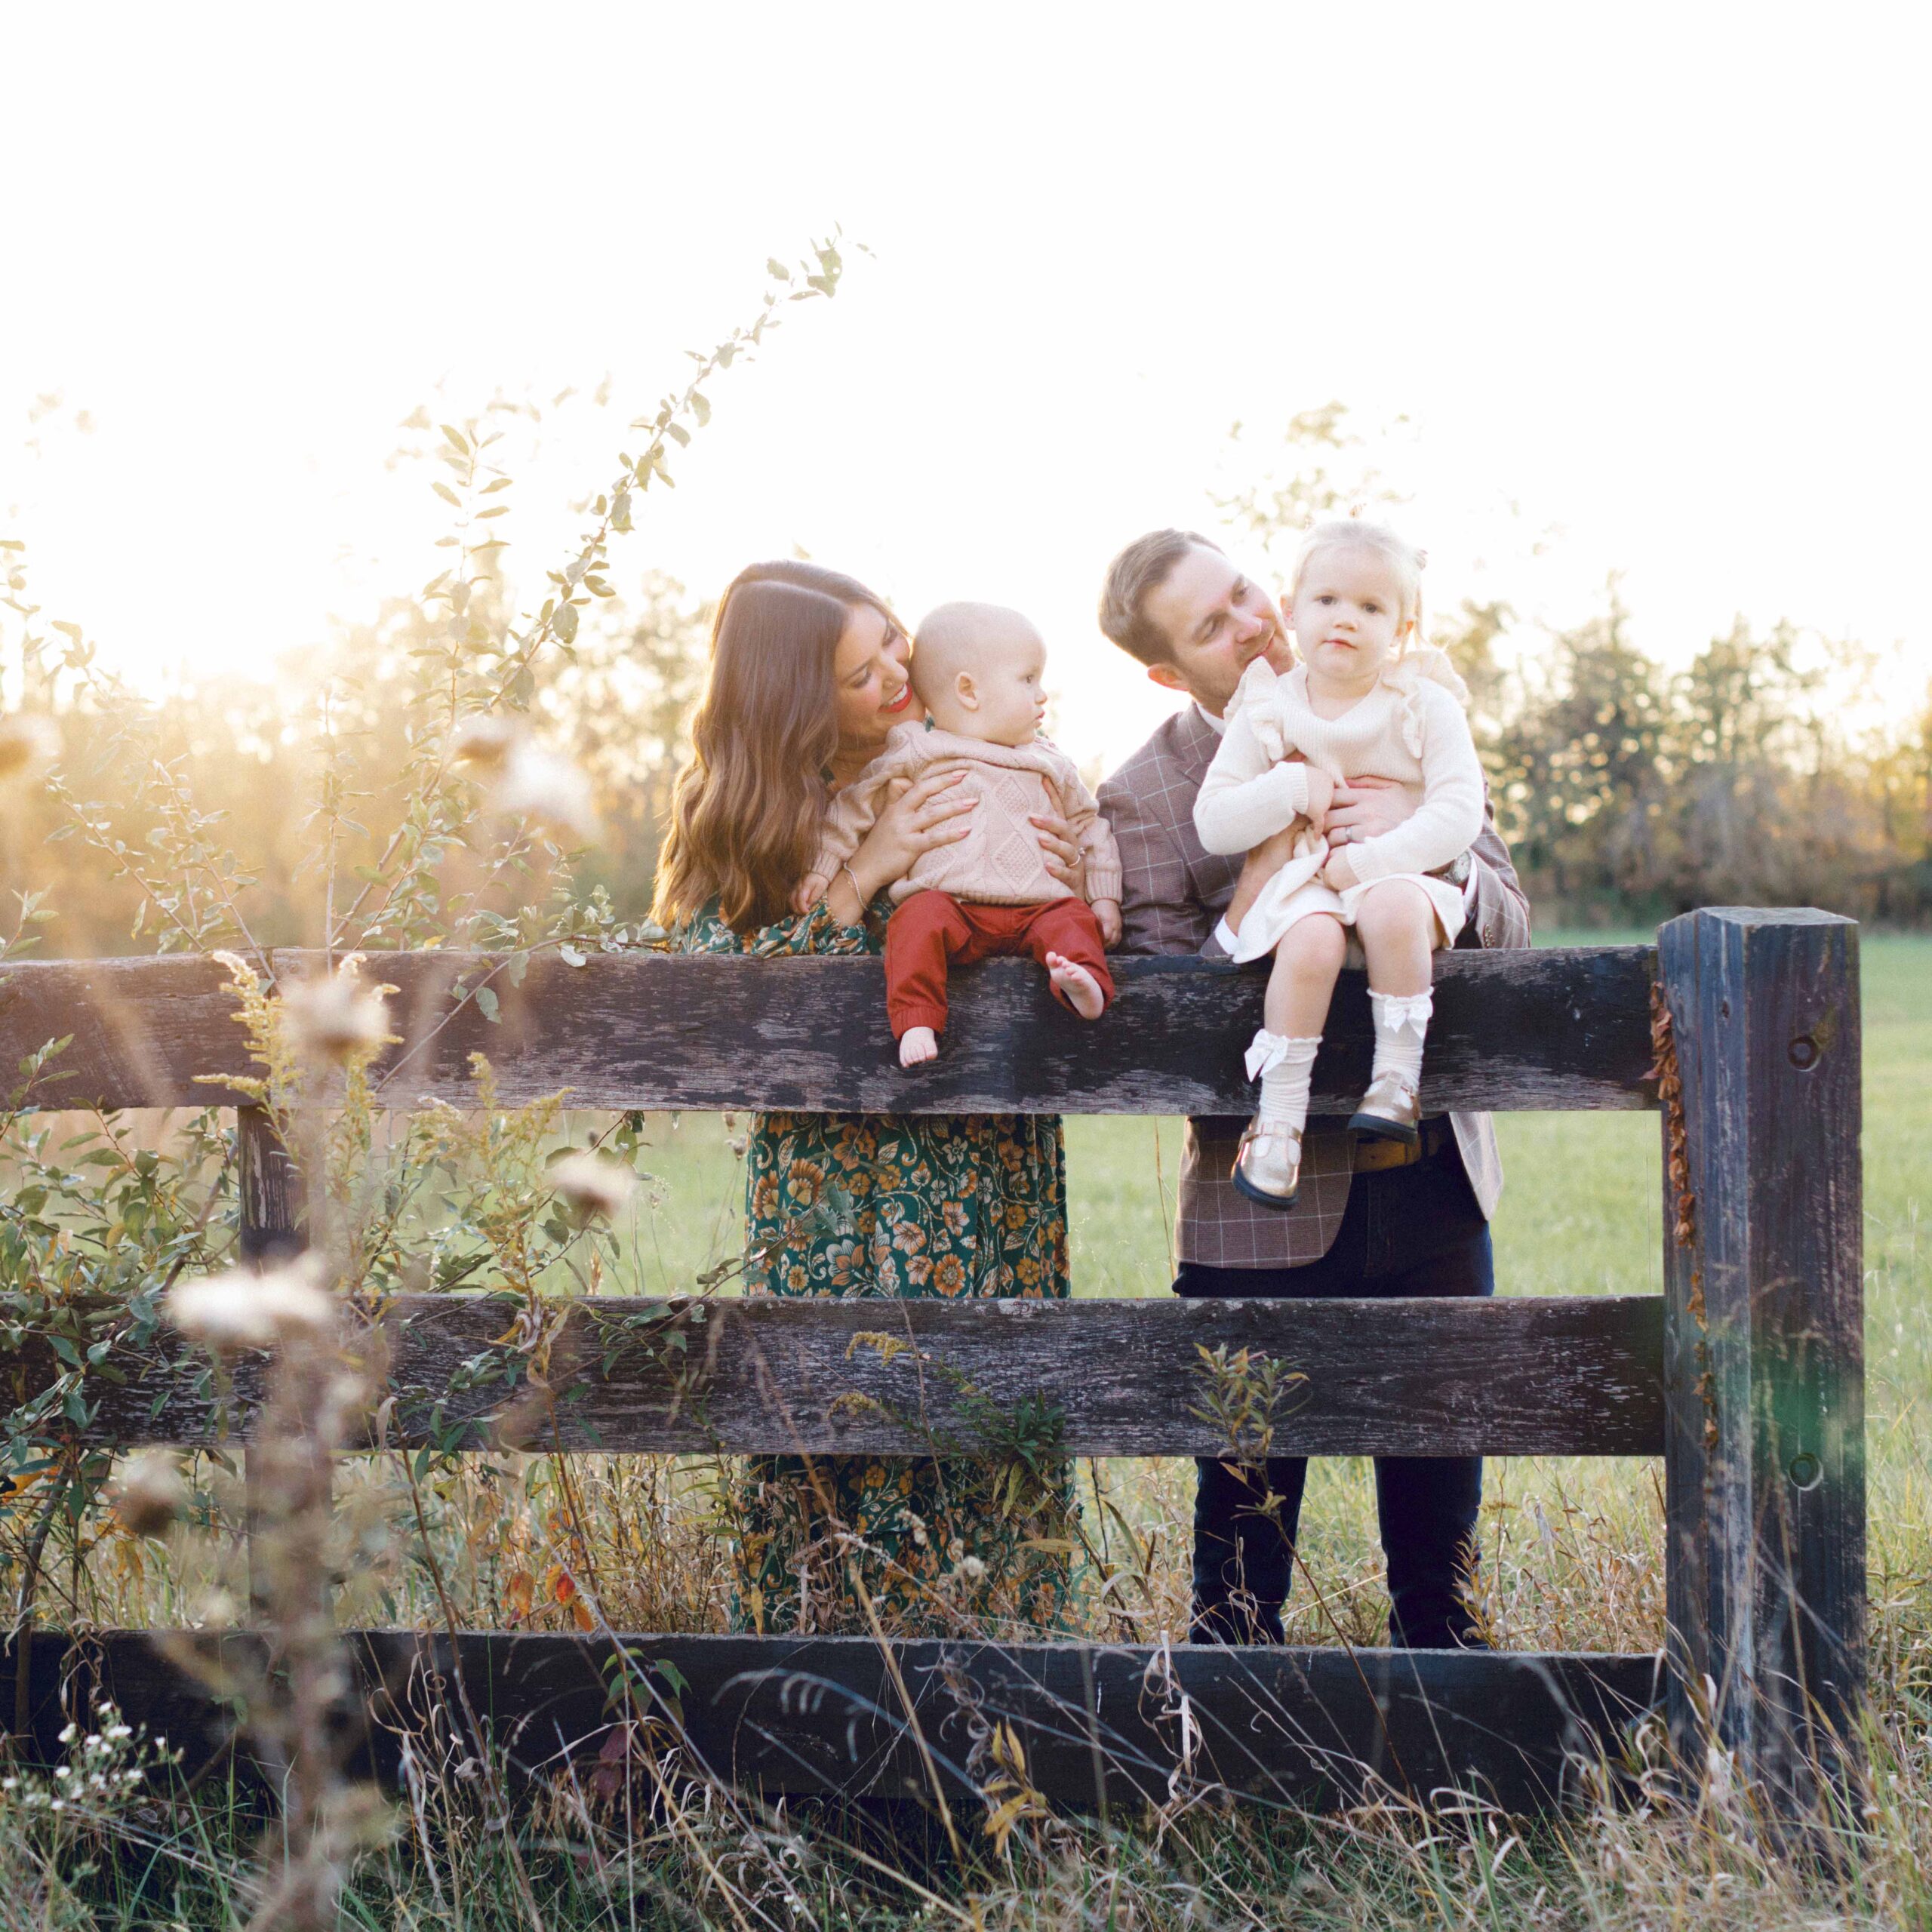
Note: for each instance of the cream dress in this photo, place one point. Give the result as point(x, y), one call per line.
point(1411, 727)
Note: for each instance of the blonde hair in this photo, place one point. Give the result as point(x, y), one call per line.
point(1404, 561)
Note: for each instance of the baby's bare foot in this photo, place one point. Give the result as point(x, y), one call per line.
point(918, 1043)
point(1081, 989)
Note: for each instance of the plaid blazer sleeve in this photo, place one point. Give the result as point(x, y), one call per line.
point(1499, 912)
point(1160, 911)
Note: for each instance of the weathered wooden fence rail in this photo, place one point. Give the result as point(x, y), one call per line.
point(1566, 1030)
point(1746, 1375)
point(1569, 1375)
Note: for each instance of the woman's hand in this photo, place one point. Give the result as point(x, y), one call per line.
point(1059, 849)
point(923, 815)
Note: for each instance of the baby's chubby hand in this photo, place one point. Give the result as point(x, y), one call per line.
point(1321, 795)
point(1338, 874)
point(1107, 912)
point(811, 889)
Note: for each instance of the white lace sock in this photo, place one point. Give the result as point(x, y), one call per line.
point(1284, 1067)
point(1401, 1024)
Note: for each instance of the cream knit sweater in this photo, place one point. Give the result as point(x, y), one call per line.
point(1409, 728)
point(998, 863)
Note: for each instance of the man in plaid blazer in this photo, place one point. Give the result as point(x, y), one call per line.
point(1372, 1219)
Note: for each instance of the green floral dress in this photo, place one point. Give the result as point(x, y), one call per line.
point(912, 1206)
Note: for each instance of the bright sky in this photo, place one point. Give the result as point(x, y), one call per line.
point(1656, 275)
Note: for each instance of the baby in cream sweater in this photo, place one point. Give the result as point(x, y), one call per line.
point(1363, 701)
point(977, 669)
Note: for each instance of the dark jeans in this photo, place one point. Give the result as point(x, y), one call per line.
point(1408, 1231)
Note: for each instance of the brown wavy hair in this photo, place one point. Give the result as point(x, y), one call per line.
point(746, 811)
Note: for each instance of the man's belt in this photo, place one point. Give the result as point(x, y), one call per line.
point(1372, 1156)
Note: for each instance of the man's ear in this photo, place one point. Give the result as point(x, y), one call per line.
point(1167, 678)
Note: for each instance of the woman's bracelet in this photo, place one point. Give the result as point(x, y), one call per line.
point(846, 869)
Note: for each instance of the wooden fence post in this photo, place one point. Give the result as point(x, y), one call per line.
point(271, 1190)
point(270, 1186)
point(1765, 1341)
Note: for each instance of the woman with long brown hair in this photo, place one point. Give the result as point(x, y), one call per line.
point(807, 675)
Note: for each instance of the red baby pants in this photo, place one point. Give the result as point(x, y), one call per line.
point(930, 928)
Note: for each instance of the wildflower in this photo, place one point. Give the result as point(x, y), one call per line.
point(29, 744)
point(242, 1309)
point(483, 740)
point(335, 1017)
point(592, 1184)
point(537, 785)
point(148, 1497)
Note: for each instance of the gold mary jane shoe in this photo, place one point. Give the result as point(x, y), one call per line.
point(1269, 1165)
point(1390, 1110)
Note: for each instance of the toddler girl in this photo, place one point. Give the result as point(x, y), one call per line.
point(1364, 700)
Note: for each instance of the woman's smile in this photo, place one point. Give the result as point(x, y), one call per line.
point(899, 703)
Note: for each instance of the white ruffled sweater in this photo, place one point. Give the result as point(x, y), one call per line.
point(1411, 727)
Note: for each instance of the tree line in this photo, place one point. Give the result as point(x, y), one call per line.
point(1764, 771)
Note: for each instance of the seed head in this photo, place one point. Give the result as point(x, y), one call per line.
point(150, 1494)
point(29, 744)
point(242, 1309)
point(537, 785)
point(592, 1185)
point(333, 1018)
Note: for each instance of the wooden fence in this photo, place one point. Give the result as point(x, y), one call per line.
point(1740, 1027)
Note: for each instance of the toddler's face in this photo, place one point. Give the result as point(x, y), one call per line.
point(1347, 613)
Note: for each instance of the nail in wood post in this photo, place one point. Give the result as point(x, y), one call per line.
point(1765, 1340)
point(271, 1230)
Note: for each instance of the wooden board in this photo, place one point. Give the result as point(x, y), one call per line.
point(1765, 1541)
point(1551, 1029)
point(1100, 1725)
point(1523, 1377)
point(141, 1030)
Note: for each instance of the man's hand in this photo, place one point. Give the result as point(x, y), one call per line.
point(1107, 912)
point(1365, 808)
point(1338, 874)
